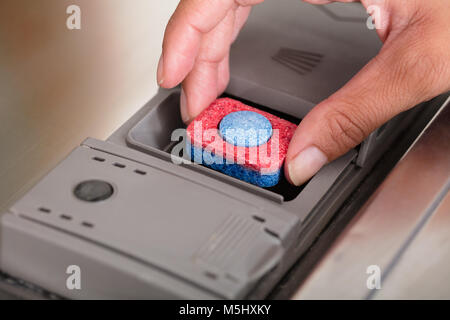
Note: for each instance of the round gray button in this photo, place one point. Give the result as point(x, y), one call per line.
point(93, 190)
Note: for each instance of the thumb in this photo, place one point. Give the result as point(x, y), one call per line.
point(405, 73)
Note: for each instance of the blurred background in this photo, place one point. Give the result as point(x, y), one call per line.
point(60, 86)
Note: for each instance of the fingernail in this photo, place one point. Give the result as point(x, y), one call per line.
point(183, 107)
point(160, 70)
point(305, 165)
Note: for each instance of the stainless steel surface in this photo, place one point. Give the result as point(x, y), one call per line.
point(58, 86)
point(424, 270)
point(404, 229)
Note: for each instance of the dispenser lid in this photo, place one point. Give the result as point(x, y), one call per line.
point(292, 55)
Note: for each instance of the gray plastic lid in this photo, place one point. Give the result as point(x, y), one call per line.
point(290, 63)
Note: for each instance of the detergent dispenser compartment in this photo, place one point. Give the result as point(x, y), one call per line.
point(161, 129)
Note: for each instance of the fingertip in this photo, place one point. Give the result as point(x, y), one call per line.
point(184, 111)
point(200, 88)
point(193, 101)
point(160, 72)
point(305, 165)
point(173, 69)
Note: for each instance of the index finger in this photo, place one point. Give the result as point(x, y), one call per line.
point(191, 20)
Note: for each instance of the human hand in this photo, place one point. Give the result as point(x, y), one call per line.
point(413, 66)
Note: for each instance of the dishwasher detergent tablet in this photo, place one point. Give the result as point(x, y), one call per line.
point(240, 141)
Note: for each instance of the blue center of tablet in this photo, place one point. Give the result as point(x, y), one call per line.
point(245, 129)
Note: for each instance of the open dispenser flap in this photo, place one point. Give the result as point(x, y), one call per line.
point(292, 55)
